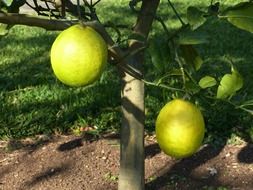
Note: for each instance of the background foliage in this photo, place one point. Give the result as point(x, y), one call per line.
point(34, 102)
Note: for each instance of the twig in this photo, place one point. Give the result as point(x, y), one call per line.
point(175, 11)
point(91, 9)
point(115, 28)
point(162, 86)
point(181, 67)
point(50, 10)
point(159, 19)
point(131, 53)
point(174, 34)
point(78, 9)
point(96, 3)
point(38, 9)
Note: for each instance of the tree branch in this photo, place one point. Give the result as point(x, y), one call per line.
point(50, 24)
point(115, 52)
point(23, 19)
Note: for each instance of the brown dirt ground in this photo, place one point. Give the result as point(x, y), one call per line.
point(70, 162)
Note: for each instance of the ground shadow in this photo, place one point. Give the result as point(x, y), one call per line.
point(69, 116)
point(49, 173)
point(246, 154)
point(152, 150)
point(70, 145)
point(183, 169)
point(30, 145)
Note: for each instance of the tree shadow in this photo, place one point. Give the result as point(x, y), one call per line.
point(30, 145)
point(41, 103)
point(152, 150)
point(184, 168)
point(246, 154)
point(45, 175)
point(224, 122)
point(33, 78)
point(70, 145)
point(31, 67)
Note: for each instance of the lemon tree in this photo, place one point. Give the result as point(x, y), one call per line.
point(180, 128)
point(78, 55)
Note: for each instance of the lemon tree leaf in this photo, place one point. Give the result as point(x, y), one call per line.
point(239, 80)
point(7, 2)
point(241, 15)
point(226, 87)
point(188, 37)
point(3, 29)
point(229, 84)
point(160, 53)
point(190, 86)
point(195, 17)
point(247, 103)
point(207, 81)
point(191, 56)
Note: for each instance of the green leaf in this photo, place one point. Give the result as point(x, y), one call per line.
point(195, 17)
point(241, 16)
point(7, 2)
point(239, 80)
point(188, 37)
point(207, 81)
point(191, 56)
point(226, 87)
point(229, 84)
point(193, 88)
point(4, 29)
point(247, 103)
point(160, 53)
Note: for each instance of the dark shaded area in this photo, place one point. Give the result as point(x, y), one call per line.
point(151, 150)
point(184, 168)
point(48, 111)
point(24, 72)
point(38, 142)
point(4, 172)
point(46, 168)
point(46, 175)
point(246, 154)
point(35, 75)
point(71, 145)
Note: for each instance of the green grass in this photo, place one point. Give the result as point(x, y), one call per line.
point(33, 102)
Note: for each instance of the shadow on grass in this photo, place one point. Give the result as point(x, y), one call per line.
point(27, 64)
point(48, 115)
point(34, 101)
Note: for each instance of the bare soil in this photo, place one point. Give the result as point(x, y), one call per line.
point(70, 162)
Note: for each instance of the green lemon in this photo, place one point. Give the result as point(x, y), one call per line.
point(180, 128)
point(78, 55)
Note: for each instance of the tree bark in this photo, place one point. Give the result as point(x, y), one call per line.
point(132, 130)
point(23, 19)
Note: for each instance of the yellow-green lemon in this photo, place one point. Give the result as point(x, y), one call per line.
point(78, 55)
point(180, 128)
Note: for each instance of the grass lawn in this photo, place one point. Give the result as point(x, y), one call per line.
point(33, 102)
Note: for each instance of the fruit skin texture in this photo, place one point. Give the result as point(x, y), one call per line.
point(180, 128)
point(78, 56)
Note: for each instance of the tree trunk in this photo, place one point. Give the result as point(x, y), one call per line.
point(132, 130)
